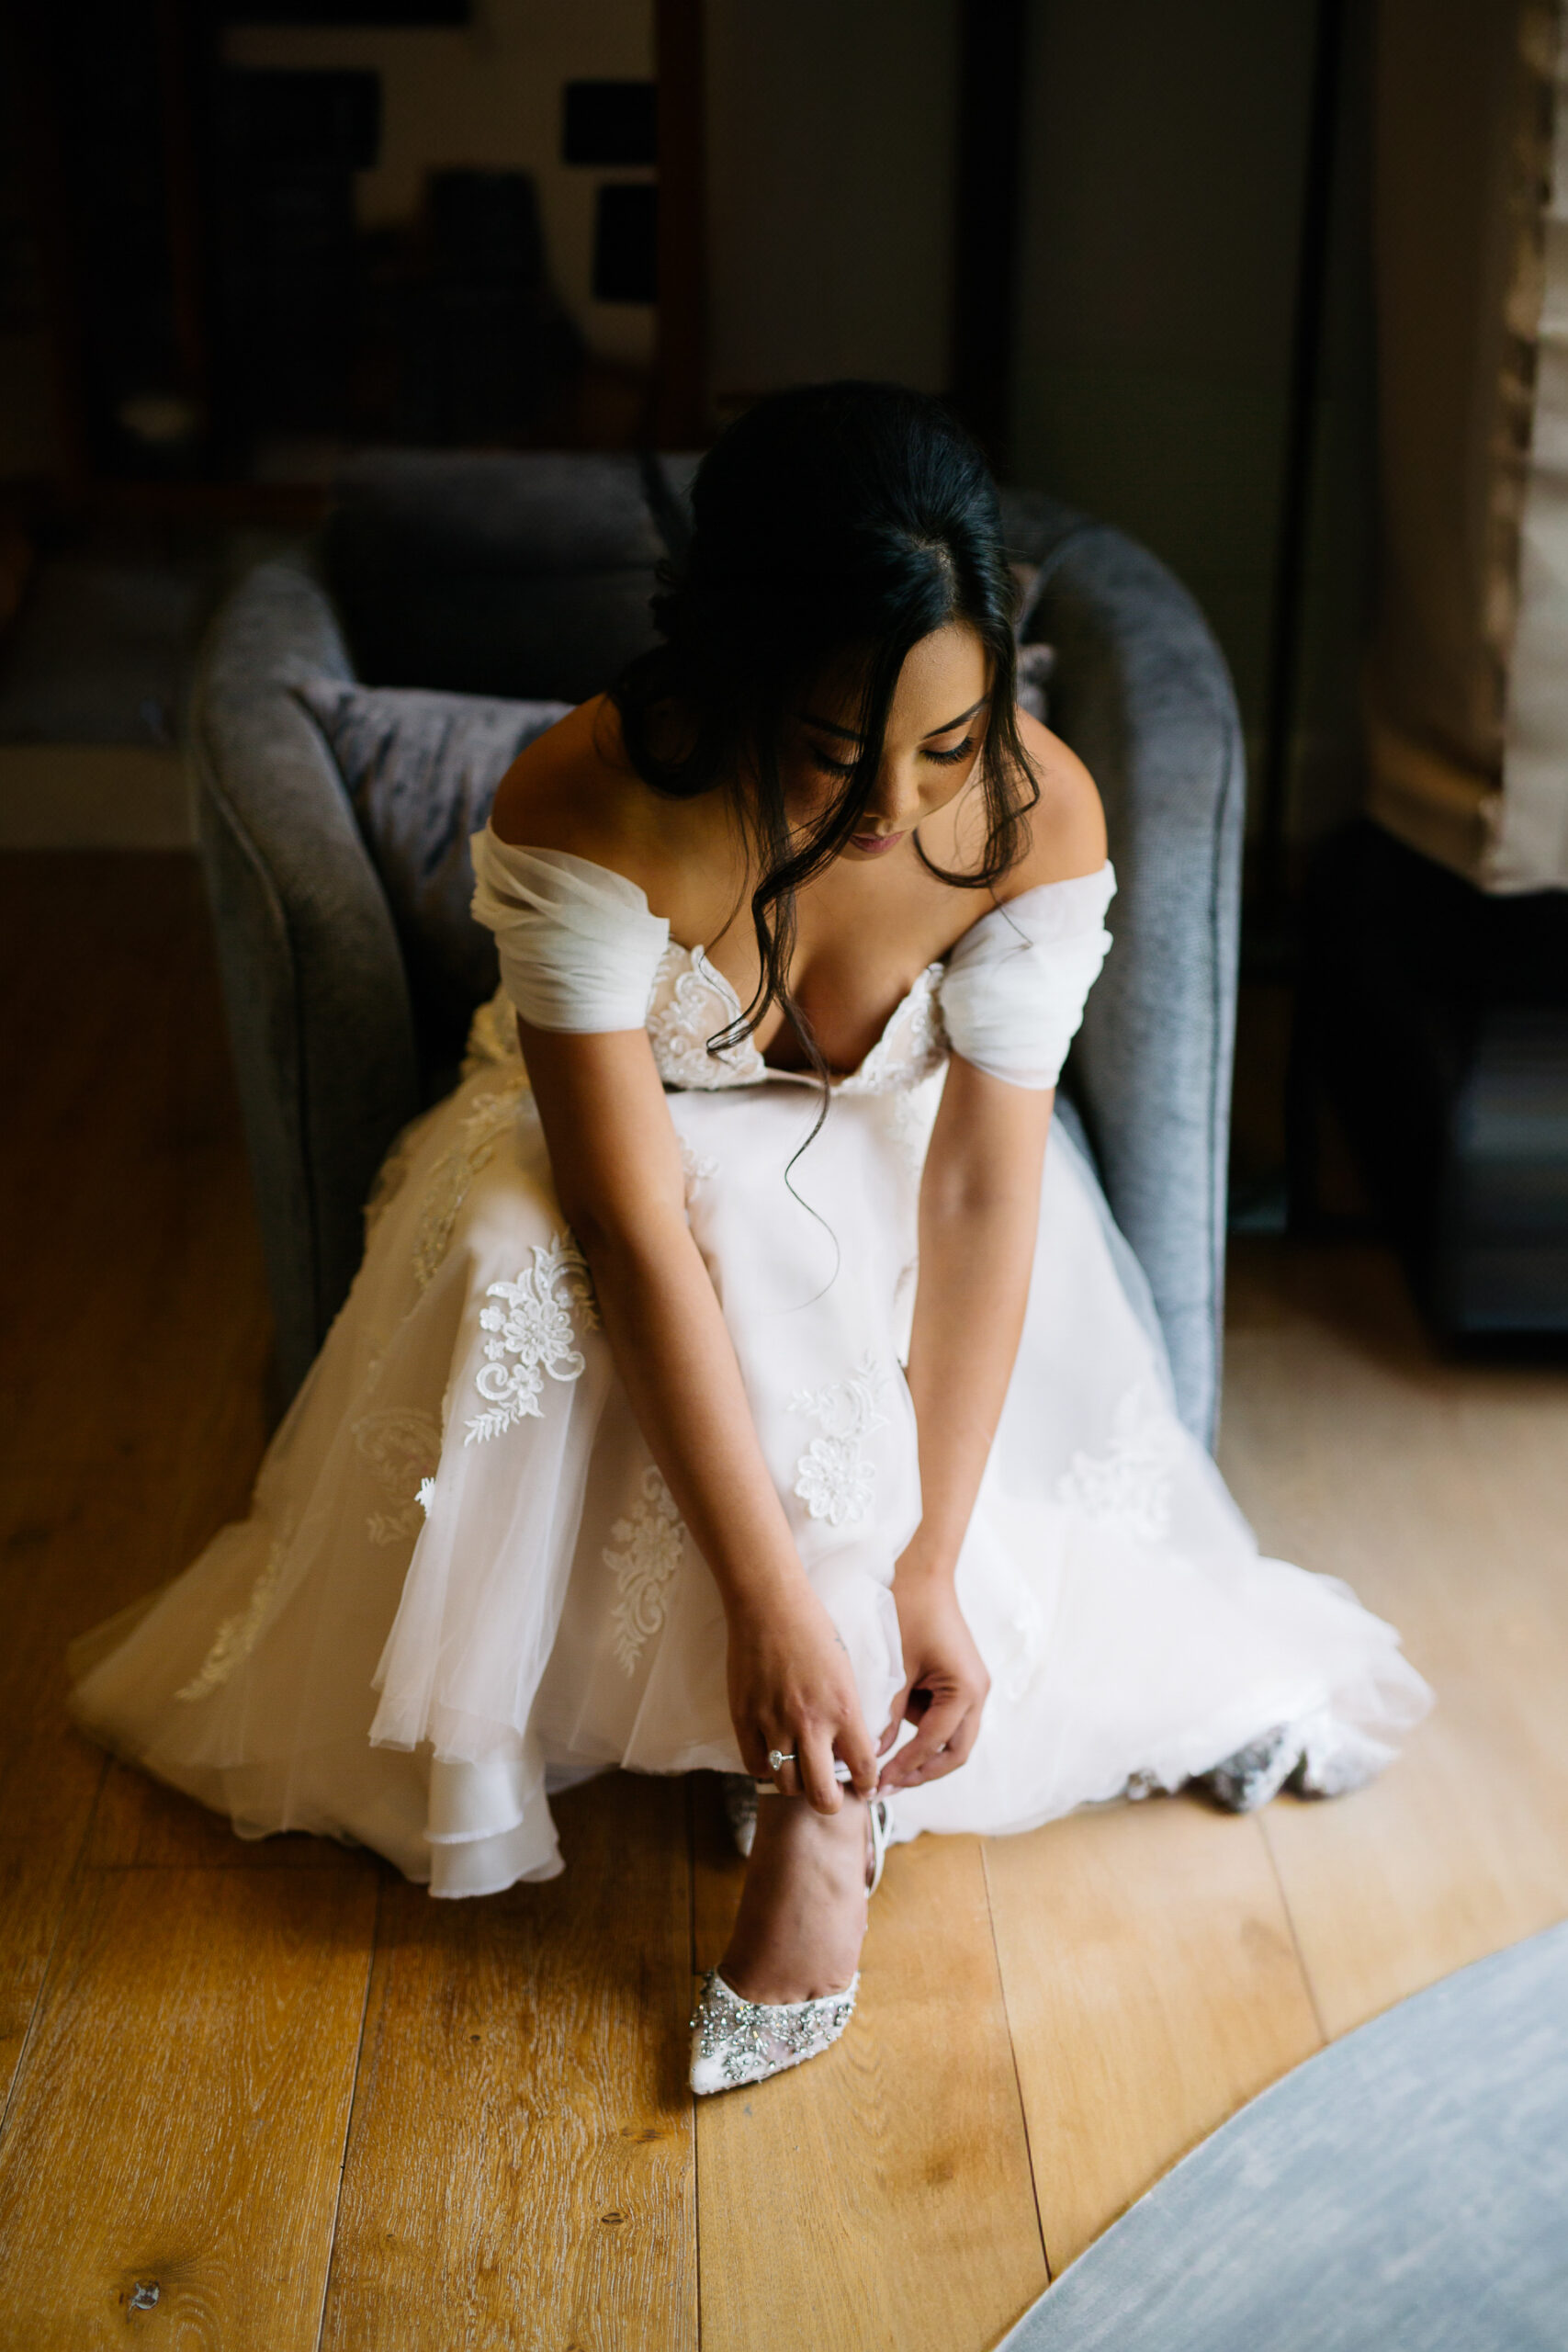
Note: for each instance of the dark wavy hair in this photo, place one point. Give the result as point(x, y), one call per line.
point(839, 521)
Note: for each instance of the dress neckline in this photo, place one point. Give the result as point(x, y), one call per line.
point(758, 1067)
point(629, 891)
point(746, 1064)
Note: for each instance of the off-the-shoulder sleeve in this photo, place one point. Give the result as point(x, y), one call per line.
point(1016, 985)
point(579, 946)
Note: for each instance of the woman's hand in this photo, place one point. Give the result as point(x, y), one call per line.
point(945, 1680)
point(791, 1686)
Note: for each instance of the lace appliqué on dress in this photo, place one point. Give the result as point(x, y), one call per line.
point(534, 1327)
point(833, 1477)
point(392, 1174)
point(402, 1447)
point(493, 1037)
point(913, 1044)
point(643, 1555)
point(1128, 1486)
point(452, 1176)
point(695, 1167)
point(692, 1002)
point(237, 1636)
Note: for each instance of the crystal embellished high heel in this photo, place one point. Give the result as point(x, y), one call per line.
point(737, 2041)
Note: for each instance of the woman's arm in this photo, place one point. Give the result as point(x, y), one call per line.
point(979, 1215)
point(616, 1163)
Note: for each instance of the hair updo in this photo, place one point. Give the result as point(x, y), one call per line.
point(839, 521)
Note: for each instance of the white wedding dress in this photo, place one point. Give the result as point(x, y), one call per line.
point(464, 1582)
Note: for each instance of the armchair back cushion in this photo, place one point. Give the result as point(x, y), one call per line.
point(528, 577)
point(422, 770)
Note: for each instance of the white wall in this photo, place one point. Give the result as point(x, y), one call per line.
point(830, 164)
point(488, 95)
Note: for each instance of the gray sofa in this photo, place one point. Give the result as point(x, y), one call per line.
point(529, 576)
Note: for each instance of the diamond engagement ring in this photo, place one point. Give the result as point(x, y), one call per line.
point(777, 1759)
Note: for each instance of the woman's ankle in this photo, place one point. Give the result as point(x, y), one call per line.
point(802, 1918)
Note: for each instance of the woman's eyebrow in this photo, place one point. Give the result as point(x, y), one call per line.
point(959, 720)
point(831, 727)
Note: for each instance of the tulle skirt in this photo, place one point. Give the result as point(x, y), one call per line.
point(463, 1582)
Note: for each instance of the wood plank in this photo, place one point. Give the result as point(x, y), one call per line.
point(36, 1870)
point(140, 1825)
point(81, 1538)
point(179, 2118)
point(1438, 1490)
point(131, 1340)
point(141, 1254)
point(1395, 1887)
point(1152, 1987)
point(880, 2196)
point(78, 1544)
point(48, 1778)
point(519, 2169)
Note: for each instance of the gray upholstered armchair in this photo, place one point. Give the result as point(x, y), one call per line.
point(529, 576)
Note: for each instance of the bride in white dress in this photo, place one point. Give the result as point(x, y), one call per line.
point(734, 1377)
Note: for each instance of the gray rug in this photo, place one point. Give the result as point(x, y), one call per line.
point(1405, 2190)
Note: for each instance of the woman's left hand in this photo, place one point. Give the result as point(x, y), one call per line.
point(945, 1681)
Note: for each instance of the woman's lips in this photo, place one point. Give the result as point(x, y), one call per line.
point(875, 845)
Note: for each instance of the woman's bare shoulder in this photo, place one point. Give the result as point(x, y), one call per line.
point(1067, 825)
point(571, 788)
point(574, 789)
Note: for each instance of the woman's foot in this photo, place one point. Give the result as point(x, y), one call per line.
point(787, 1987)
point(802, 1918)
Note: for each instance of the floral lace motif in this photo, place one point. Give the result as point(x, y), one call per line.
point(696, 1167)
point(1128, 1486)
point(402, 1447)
point(493, 1037)
point(486, 1122)
point(643, 1555)
point(534, 1327)
point(392, 1174)
point(692, 1002)
point(833, 1477)
point(913, 1044)
point(237, 1636)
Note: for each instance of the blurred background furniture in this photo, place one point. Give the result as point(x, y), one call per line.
point(1432, 1007)
point(527, 575)
point(1433, 1018)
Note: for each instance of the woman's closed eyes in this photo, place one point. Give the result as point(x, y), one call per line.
point(960, 751)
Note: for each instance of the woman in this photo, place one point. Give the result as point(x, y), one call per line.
point(639, 1441)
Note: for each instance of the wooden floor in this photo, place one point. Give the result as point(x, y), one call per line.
point(273, 2098)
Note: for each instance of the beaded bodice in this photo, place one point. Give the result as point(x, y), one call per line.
point(693, 1002)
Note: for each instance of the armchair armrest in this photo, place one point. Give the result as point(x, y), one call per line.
point(1141, 692)
point(313, 981)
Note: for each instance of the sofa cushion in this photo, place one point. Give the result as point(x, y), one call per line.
point(422, 769)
